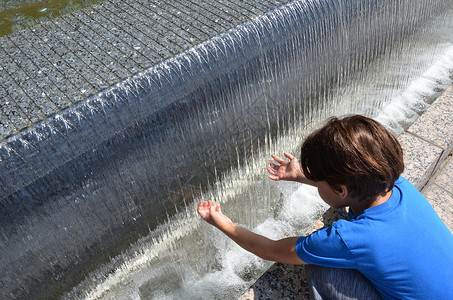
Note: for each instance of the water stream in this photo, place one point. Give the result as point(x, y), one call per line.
point(104, 193)
point(188, 259)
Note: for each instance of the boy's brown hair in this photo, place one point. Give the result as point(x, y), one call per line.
point(355, 151)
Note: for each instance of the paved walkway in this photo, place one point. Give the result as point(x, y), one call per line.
point(428, 146)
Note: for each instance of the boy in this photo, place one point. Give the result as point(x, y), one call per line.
point(392, 236)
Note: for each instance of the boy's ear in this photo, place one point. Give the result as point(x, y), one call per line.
point(342, 191)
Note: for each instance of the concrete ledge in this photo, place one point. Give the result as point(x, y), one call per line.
point(419, 165)
point(441, 197)
point(427, 146)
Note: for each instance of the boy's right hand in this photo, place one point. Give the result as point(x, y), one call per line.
point(212, 214)
point(286, 170)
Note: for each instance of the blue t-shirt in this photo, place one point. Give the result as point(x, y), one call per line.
point(401, 246)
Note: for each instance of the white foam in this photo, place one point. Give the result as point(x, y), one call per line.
point(419, 93)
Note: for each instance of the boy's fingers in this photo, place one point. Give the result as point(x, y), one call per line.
point(203, 204)
point(274, 174)
point(277, 159)
point(202, 209)
point(275, 178)
point(272, 171)
point(289, 156)
point(273, 166)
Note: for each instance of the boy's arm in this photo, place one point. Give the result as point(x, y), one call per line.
point(288, 170)
point(283, 251)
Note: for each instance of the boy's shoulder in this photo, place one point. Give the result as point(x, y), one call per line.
point(406, 187)
point(403, 182)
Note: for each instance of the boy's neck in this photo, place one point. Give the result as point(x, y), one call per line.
point(358, 207)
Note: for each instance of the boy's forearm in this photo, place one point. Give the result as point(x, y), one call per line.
point(247, 239)
point(280, 251)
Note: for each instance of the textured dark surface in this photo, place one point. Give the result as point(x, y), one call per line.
point(51, 66)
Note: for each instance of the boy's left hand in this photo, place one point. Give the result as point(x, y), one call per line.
point(286, 170)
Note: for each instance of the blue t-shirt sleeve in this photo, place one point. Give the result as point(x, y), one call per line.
point(325, 247)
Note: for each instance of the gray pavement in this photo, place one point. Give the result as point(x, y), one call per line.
point(51, 66)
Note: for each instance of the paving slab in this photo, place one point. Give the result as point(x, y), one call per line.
point(47, 50)
point(419, 165)
point(444, 178)
point(436, 124)
point(439, 192)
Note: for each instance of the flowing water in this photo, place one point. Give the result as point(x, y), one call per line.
point(188, 259)
point(202, 125)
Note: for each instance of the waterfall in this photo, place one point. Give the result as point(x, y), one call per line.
point(103, 193)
